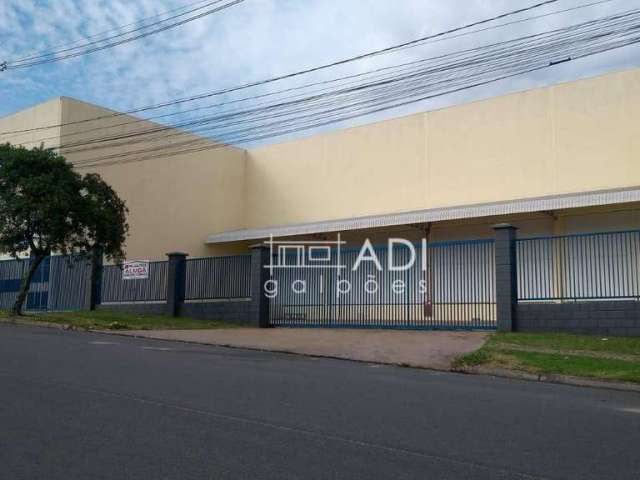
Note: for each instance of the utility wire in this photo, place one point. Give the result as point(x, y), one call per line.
point(440, 76)
point(287, 90)
point(253, 111)
point(558, 53)
point(119, 29)
point(118, 39)
point(344, 61)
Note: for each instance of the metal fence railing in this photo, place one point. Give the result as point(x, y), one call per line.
point(69, 280)
point(213, 278)
point(451, 285)
point(579, 267)
point(116, 290)
point(59, 283)
point(11, 274)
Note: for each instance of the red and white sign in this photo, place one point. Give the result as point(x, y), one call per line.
point(135, 270)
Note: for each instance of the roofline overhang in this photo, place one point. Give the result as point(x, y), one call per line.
point(478, 210)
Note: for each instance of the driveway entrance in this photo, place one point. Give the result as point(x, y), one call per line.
point(417, 349)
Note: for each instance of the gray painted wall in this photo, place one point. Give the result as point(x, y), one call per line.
point(232, 311)
point(615, 317)
point(142, 308)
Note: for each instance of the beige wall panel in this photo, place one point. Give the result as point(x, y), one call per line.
point(491, 150)
point(598, 132)
point(174, 202)
point(601, 221)
point(574, 137)
point(42, 115)
point(359, 171)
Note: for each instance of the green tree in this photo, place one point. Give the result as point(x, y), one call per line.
point(103, 218)
point(47, 207)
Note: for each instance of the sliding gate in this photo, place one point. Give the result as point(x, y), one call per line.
point(449, 285)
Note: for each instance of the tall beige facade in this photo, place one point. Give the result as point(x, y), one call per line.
point(558, 159)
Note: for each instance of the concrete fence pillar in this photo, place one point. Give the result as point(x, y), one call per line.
point(506, 277)
point(259, 310)
point(176, 278)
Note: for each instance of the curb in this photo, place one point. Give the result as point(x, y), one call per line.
point(36, 323)
point(550, 378)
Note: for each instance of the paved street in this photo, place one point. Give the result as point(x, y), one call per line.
point(77, 405)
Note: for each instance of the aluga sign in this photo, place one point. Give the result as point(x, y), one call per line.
point(327, 255)
point(135, 270)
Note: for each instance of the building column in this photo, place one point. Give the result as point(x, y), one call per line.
point(506, 277)
point(259, 310)
point(176, 277)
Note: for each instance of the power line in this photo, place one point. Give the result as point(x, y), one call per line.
point(439, 76)
point(287, 90)
point(253, 111)
point(121, 38)
point(344, 61)
point(119, 28)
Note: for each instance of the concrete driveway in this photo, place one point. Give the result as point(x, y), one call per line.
point(423, 349)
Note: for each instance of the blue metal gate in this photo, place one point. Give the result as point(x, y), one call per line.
point(450, 285)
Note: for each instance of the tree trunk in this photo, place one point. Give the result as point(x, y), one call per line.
point(96, 277)
point(26, 283)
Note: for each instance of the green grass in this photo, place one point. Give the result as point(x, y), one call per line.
point(592, 356)
point(579, 366)
point(112, 320)
point(566, 342)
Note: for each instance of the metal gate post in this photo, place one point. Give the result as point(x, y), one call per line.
point(506, 277)
point(259, 310)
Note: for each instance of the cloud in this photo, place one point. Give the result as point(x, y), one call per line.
point(258, 39)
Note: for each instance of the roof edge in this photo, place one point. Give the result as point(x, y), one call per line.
point(507, 207)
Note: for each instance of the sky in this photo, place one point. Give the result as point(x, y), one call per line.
point(258, 39)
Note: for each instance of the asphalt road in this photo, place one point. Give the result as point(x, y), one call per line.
point(89, 406)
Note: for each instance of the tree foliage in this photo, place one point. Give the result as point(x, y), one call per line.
point(47, 207)
point(103, 219)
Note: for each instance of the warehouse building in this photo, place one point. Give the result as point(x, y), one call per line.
point(554, 160)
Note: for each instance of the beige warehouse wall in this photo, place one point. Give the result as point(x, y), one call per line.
point(573, 137)
point(174, 201)
point(578, 136)
point(34, 119)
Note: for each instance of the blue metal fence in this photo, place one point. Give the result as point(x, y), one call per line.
point(604, 265)
point(116, 290)
point(11, 274)
point(58, 283)
point(69, 281)
point(218, 277)
point(450, 286)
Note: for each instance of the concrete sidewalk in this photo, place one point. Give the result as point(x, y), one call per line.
point(434, 350)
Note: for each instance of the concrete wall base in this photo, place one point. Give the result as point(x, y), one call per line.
point(232, 311)
point(141, 308)
point(619, 317)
